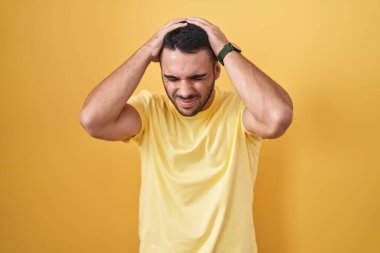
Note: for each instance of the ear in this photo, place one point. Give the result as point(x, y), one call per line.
point(217, 70)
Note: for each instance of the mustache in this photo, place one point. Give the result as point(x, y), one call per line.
point(188, 97)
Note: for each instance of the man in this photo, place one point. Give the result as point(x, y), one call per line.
point(199, 144)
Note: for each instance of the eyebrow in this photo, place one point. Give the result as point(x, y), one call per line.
point(170, 76)
point(191, 77)
point(198, 75)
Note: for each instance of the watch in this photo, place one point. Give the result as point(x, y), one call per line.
point(226, 49)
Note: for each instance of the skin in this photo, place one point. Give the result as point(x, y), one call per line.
point(106, 115)
point(189, 79)
point(268, 107)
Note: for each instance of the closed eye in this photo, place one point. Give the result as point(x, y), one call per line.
point(171, 78)
point(198, 77)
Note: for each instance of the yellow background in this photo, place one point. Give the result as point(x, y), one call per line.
point(318, 187)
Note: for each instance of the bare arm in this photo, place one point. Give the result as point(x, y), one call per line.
point(268, 107)
point(105, 113)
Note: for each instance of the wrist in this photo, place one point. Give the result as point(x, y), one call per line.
point(147, 52)
point(220, 47)
point(227, 48)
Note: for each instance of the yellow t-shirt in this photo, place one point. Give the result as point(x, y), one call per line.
point(197, 177)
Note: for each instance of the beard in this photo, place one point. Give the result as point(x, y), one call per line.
point(199, 107)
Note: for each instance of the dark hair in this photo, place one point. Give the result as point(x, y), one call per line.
point(188, 39)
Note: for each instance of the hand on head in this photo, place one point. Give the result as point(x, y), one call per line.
point(216, 37)
point(155, 43)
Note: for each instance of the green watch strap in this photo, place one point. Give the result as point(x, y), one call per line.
point(226, 49)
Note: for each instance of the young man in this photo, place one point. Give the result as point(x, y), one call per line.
point(199, 144)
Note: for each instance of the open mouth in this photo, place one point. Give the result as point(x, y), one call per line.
point(187, 103)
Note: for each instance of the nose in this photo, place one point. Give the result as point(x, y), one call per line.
point(186, 89)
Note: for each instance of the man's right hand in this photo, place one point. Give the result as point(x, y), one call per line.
point(105, 114)
point(155, 43)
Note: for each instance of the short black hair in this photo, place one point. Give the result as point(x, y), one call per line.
point(188, 39)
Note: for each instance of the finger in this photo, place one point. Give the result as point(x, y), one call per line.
point(175, 21)
point(173, 27)
point(199, 21)
point(203, 25)
point(173, 24)
point(198, 18)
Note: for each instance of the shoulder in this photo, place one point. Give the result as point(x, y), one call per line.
point(147, 99)
point(143, 97)
point(229, 98)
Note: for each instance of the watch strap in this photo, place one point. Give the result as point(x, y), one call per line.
point(226, 49)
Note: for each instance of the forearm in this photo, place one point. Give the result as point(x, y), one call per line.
point(263, 97)
point(105, 103)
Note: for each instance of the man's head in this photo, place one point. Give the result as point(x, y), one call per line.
point(189, 69)
point(188, 39)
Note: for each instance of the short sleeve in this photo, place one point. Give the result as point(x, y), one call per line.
point(250, 136)
point(141, 103)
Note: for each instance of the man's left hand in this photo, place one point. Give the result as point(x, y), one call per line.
point(215, 35)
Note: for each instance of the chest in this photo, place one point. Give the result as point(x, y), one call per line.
point(191, 143)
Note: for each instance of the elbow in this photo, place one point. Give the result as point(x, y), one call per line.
point(281, 121)
point(88, 124)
